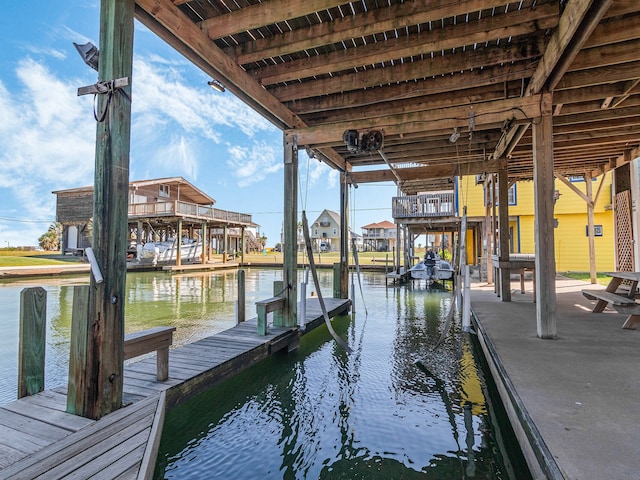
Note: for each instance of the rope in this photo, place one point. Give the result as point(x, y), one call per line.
point(108, 88)
point(355, 256)
point(314, 274)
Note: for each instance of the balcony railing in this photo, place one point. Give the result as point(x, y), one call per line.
point(425, 205)
point(184, 209)
point(372, 235)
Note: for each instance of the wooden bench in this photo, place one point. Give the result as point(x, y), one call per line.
point(620, 303)
point(263, 307)
point(158, 340)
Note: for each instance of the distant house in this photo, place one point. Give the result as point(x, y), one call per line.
point(325, 232)
point(157, 208)
point(379, 237)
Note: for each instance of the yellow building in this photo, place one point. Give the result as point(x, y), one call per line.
point(570, 212)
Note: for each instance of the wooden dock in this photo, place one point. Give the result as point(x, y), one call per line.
point(398, 277)
point(39, 439)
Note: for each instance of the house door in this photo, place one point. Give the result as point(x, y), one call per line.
point(72, 237)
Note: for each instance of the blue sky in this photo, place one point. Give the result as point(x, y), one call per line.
point(180, 127)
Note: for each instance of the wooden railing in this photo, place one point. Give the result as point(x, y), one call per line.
point(186, 209)
point(425, 205)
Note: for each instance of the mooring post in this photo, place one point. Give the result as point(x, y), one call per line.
point(303, 300)
point(337, 280)
point(241, 297)
point(33, 321)
point(103, 371)
point(78, 351)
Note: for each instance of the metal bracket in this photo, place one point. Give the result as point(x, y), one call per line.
point(104, 87)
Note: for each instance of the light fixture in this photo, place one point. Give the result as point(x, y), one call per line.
point(455, 135)
point(216, 85)
point(89, 53)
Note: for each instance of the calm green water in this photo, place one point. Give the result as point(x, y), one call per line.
point(197, 304)
point(374, 414)
point(317, 412)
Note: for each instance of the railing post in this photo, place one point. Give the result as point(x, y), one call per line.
point(278, 287)
point(33, 321)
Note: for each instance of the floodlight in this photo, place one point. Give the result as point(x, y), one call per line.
point(89, 53)
point(216, 85)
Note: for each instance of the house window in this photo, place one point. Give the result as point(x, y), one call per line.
point(511, 195)
point(163, 191)
point(597, 230)
point(513, 200)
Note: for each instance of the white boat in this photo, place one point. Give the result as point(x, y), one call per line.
point(442, 270)
point(155, 252)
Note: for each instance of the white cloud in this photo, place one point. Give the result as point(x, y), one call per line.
point(50, 52)
point(47, 133)
point(321, 173)
point(177, 159)
point(253, 164)
point(160, 90)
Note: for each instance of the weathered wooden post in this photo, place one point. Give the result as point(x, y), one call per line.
point(290, 248)
point(278, 287)
point(503, 234)
point(31, 350)
point(344, 237)
point(102, 376)
point(77, 382)
point(543, 185)
point(224, 243)
point(241, 297)
point(203, 239)
point(337, 280)
point(178, 242)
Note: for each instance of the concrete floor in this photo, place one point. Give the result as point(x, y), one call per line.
point(581, 391)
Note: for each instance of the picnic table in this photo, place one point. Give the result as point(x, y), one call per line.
point(518, 263)
point(621, 296)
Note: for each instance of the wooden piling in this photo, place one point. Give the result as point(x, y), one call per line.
point(241, 297)
point(78, 350)
point(33, 321)
point(105, 320)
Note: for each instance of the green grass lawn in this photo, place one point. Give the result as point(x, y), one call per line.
point(601, 278)
point(10, 257)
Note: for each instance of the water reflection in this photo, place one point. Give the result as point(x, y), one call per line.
point(394, 408)
point(198, 304)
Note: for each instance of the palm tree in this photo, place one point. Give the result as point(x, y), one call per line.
point(51, 239)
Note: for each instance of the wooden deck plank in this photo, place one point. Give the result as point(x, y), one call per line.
point(48, 399)
point(134, 376)
point(75, 443)
point(9, 456)
point(23, 441)
point(54, 417)
point(218, 347)
point(195, 362)
point(126, 466)
point(102, 456)
point(68, 446)
point(20, 422)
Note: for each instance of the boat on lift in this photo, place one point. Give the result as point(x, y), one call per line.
point(441, 270)
point(166, 251)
